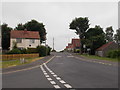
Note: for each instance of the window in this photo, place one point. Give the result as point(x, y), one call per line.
point(18, 40)
point(32, 40)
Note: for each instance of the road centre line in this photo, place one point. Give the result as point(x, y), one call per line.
point(49, 79)
point(56, 86)
point(67, 85)
point(58, 78)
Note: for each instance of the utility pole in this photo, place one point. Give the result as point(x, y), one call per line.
point(53, 43)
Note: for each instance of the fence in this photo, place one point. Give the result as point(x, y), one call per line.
point(18, 56)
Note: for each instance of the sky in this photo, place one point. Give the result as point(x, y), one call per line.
point(56, 16)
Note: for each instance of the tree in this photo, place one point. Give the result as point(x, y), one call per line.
point(80, 25)
point(5, 36)
point(109, 34)
point(94, 38)
point(34, 25)
point(20, 26)
point(117, 36)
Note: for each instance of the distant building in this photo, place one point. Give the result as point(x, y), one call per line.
point(69, 47)
point(104, 49)
point(24, 39)
point(75, 44)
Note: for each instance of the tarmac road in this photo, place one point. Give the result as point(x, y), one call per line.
point(65, 70)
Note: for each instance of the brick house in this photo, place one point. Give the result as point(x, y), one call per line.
point(104, 49)
point(24, 39)
point(75, 44)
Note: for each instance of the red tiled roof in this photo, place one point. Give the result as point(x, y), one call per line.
point(104, 46)
point(24, 34)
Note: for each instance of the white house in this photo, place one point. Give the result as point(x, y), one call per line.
point(24, 39)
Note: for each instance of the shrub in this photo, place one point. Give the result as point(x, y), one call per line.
point(14, 51)
point(43, 51)
point(48, 51)
point(24, 51)
point(114, 54)
point(32, 50)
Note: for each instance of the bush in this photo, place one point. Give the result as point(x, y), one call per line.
point(32, 50)
point(14, 51)
point(24, 51)
point(114, 54)
point(43, 51)
point(48, 50)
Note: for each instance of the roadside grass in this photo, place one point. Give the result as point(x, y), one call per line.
point(101, 58)
point(6, 64)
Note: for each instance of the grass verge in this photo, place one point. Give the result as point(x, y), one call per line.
point(7, 64)
point(101, 58)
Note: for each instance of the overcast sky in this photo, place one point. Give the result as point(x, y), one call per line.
point(56, 17)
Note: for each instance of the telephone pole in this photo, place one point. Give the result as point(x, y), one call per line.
point(53, 43)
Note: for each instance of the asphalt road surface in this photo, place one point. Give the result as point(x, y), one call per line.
point(63, 70)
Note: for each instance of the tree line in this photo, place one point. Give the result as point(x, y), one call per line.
point(94, 37)
point(32, 25)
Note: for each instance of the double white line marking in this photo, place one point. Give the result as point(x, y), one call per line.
point(55, 76)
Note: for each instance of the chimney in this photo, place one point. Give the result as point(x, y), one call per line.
point(25, 31)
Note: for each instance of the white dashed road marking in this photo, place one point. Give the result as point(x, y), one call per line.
point(56, 77)
point(58, 56)
point(62, 81)
point(70, 56)
point(49, 79)
point(52, 82)
point(56, 86)
point(67, 86)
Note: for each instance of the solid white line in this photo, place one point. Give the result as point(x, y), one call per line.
point(52, 82)
point(62, 81)
point(67, 86)
point(56, 86)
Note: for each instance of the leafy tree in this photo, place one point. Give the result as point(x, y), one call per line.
point(80, 25)
point(5, 36)
point(94, 38)
point(34, 25)
point(109, 34)
point(20, 26)
point(117, 36)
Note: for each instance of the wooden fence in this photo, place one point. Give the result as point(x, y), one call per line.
point(18, 56)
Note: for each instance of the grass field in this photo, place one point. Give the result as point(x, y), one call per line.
point(101, 58)
point(7, 64)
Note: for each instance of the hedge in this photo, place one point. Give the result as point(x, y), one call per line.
point(114, 54)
